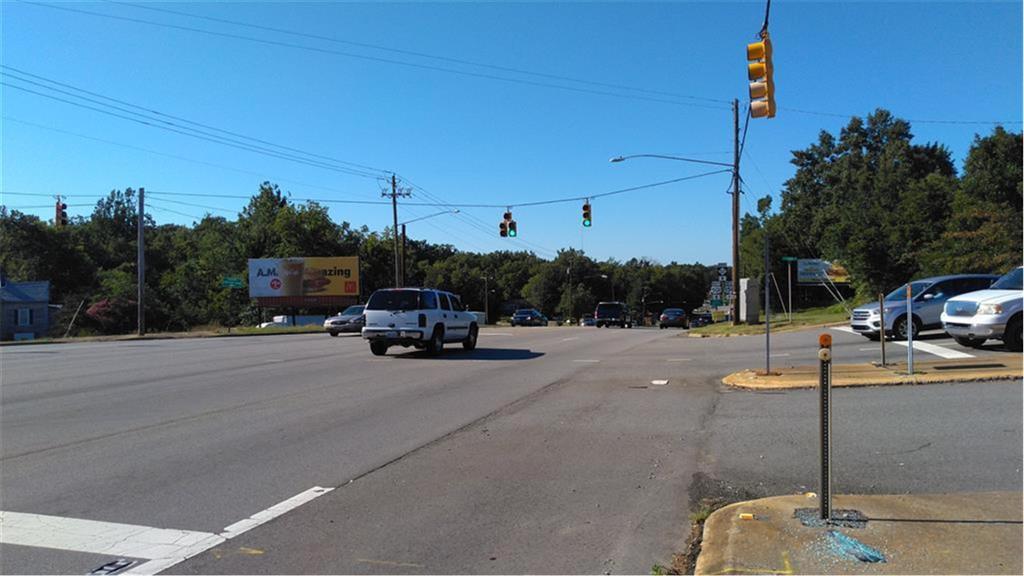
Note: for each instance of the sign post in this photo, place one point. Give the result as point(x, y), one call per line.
point(789, 282)
point(881, 318)
point(910, 331)
point(825, 407)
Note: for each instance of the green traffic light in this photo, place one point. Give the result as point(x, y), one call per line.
point(586, 222)
point(512, 233)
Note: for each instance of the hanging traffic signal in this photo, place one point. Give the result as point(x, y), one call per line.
point(503, 229)
point(587, 221)
point(60, 218)
point(506, 228)
point(512, 229)
point(759, 72)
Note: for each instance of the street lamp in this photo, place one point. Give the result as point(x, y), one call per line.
point(735, 166)
point(402, 259)
point(606, 277)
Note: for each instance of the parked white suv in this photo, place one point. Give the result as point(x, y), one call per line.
point(419, 317)
point(995, 313)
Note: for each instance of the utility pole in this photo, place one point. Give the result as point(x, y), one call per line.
point(394, 194)
point(487, 295)
point(141, 263)
point(736, 213)
point(403, 255)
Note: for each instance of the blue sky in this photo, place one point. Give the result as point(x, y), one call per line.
point(472, 140)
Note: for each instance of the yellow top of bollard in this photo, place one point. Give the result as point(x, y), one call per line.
point(825, 340)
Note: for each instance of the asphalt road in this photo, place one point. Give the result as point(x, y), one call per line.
point(545, 450)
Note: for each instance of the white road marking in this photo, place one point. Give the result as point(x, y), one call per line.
point(162, 547)
point(659, 382)
point(495, 334)
point(876, 348)
point(570, 338)
point(937, 350)
point(590, 361)
point(96, 537)
point(273, 512)
point(845, 329)
point(780, 355)
point(678, 359)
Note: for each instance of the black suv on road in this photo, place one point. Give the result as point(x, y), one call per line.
point(612, 314)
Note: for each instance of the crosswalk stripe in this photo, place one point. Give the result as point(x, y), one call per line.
point(937, 350)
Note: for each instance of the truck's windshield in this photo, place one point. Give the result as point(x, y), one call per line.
point(1013, 280)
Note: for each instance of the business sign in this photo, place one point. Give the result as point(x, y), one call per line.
point(304, 281)
point(813, 271)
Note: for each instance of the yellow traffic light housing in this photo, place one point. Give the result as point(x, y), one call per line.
point(512, 233)
point(503, 229)
point(760, 74)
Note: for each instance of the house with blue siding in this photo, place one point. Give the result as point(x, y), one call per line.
point(24, 310)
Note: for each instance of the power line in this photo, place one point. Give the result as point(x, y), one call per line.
point(910, 120)
point(421, 54)
point(162, 209)
point(261, 175)
point(157, 113)
point(147, 120)
point(377, 58)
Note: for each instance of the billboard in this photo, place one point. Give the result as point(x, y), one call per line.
point(304, 281)
point(813, 271)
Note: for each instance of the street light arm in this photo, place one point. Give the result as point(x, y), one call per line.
point(455, 211)
point(664, 157)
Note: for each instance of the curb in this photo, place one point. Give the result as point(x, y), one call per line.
point(808, 377)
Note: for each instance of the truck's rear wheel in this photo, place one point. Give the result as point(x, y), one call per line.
point(379, 348)
point(436, 344)
point(470, 342)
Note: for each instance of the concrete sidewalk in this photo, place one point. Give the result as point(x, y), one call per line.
point(971, 533)
point(963, 370)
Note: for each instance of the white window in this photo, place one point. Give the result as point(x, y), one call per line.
point(24, 316)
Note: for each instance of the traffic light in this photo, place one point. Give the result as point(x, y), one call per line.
point(512, 229)
point(587, 221)
point(506, 228)
point(61, 216)
point(759, 72)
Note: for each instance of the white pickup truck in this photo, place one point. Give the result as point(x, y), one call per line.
point(994, 313)
point(419, 317)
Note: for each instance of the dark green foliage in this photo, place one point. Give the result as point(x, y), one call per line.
point(890, 210)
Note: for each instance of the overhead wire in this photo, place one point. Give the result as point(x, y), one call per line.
point(262, 175)
point(148, 120)
point(160, 114)
point(421, 54)
point(378, 59)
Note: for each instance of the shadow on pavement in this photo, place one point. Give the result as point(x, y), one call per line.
point(452, 353)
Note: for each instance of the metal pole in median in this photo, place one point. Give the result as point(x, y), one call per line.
point(910, 332)
point(767, 308)
point(881, 318)
point(825, 387)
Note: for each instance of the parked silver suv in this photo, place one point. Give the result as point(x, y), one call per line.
point(994, 313)
point(928, 296)
point(419, 317)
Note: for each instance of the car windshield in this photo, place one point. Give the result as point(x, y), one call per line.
point(609, 308)
point(900, 293)
point(352, 311)
point(671, 311)
point(394, 300)
point(1011, 281)
point(523, 312)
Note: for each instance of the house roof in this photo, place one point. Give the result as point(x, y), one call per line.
point(25, 292)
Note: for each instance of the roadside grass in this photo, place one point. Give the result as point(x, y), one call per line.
point(801, 319)
point(208, 331)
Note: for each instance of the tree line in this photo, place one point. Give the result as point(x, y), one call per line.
point(91, 263)
point(870, 198)
point(890, 210)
